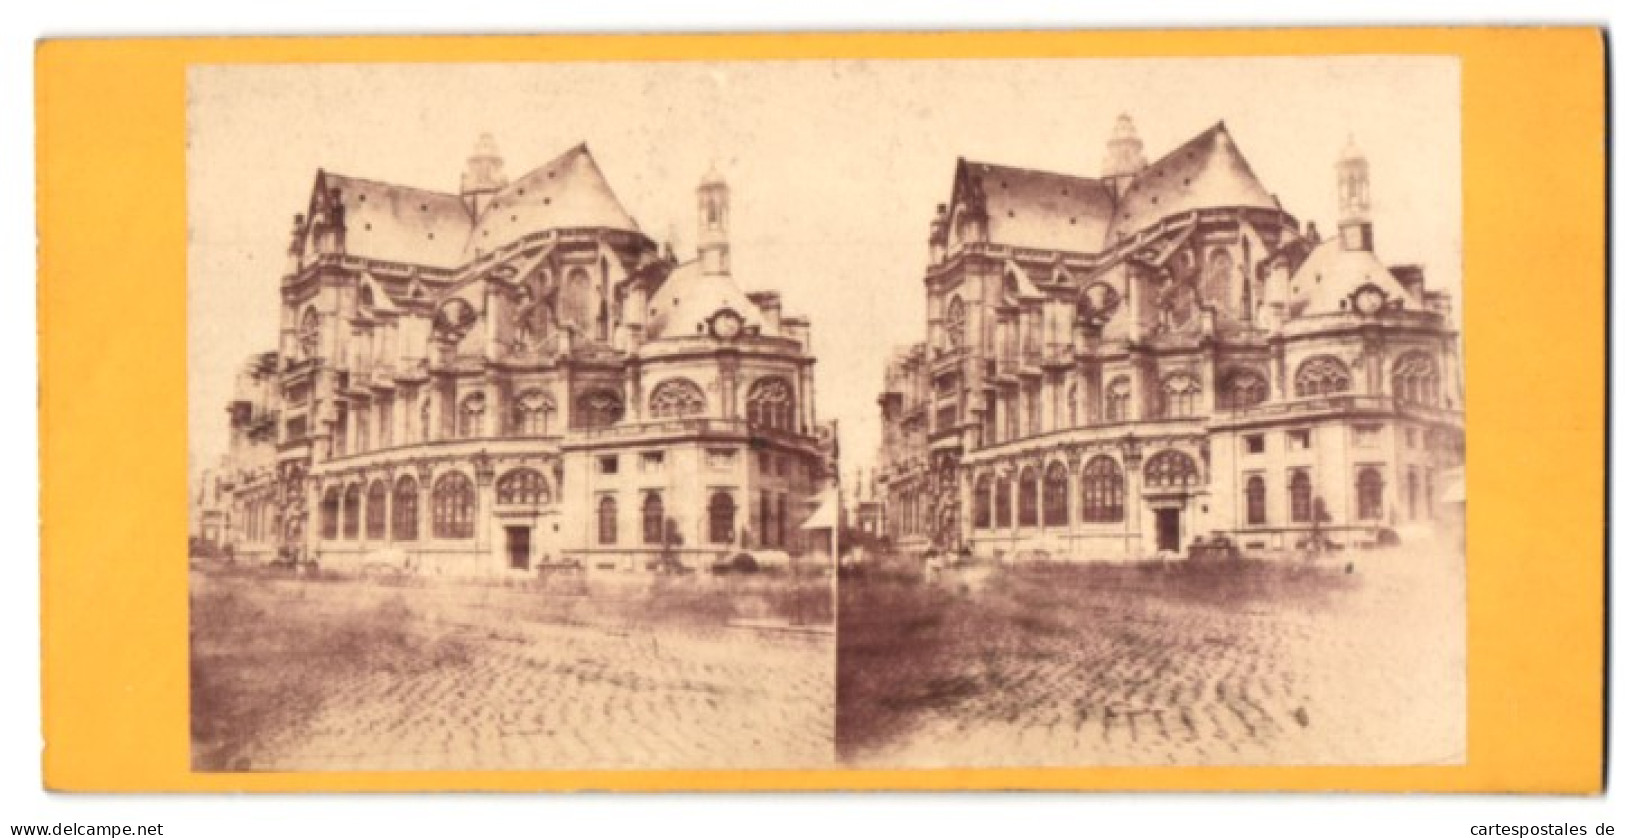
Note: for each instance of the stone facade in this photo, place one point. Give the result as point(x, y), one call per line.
point(1115, 367)
point(515, 377)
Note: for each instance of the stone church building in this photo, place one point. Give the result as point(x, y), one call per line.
point(514, 376)
point(1121, 366)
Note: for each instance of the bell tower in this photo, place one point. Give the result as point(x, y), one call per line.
point(713, 233)
point(483, 177)
point(1354, 198)
point(1125, 155)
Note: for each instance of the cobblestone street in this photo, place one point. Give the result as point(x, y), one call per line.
point(1187, 665)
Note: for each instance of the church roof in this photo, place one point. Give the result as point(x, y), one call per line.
point(1207, 171)
point(569, 191)
point(1031, 208)
point(688, 298)
point(396, 223)
point(1331, 273)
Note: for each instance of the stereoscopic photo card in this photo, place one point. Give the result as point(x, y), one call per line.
point(970, 411)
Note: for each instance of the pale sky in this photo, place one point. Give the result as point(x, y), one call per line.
point(835, 168)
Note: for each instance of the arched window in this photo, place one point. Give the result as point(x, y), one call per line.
point(377, 510)
point(771, 403)
point(330, 514)
point(1256, 510)
point(1416, 379)
point(1368, 489)
point(1001, 501)
point(310, 333)
point(405, 524)
point(982, 504)
point(523, 486)
point(721, 513)
point(1056, 497)
point(1243, 388)
point(955, 324)
point(533, 413)
point(1102, 491)
point(471, 415)
point(352, 512)
point(1302, 497)
point(654, 519)
point(576, 308)
point(1117, 399)
point(1322, 375)
point(454, 506)
point(1027, 498)
point(1171, 470)
point(598, 409)
point(608, 511)
point(676, 399)
point(1180, 393)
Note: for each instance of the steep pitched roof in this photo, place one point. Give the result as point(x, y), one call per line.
point(1031, 208)
point(568, 191)
point(1207, 171)
point(398, 223)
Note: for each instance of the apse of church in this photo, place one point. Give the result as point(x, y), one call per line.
point(1162, 358)
point(516, 377)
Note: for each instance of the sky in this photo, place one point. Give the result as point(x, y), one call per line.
point(835, 168)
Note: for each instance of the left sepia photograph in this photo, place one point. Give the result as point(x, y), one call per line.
point(496, 462)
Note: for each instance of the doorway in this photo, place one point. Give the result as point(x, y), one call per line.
point(518, 547)
point(1168, 530)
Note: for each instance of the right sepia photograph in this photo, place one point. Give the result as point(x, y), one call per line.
point(1169, 461)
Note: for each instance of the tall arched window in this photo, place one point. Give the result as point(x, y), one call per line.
point(1027, 498)
point(1322, 375)
point(1117, 399)
point(533, 413)
point(1102, 491)
point(405, 523)
point(377, 511)
point(471, 415)
point(1180, 393)
point(352, 512)
point(1416, 379)
point(721, 511)
point(1001, 501)
point(1302, 494)
point(982, 504)
point(523, 487)
point(1257, 512)
point(1056, 497)
point(771, 403)
point(608, 512)
point(453, 506)
point(598, 409)
point(1073, 406)
point(955, 323)
point(576, 307)
point(310, 333)
point(1171, 469)
point(1368, 489)
point(1243, 388)
point(654, 519)
point(676, 399)
point(330, 514)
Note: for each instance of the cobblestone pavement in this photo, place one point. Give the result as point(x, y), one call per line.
point(1113, 666)
point(458, 690)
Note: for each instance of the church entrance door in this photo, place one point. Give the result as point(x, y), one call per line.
point(1168, 530)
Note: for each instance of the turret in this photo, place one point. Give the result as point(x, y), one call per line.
point(1125, 155)
point(939, 234)
point(483, 177)
point(713, 230)
point(1354, 199)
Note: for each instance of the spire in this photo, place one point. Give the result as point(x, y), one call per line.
point(483, 176)
point(713, 223)
point(1125, 155)
point(1354, 197)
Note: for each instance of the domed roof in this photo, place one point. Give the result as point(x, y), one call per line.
point(1332, 273)
point(1207, 171)
point(568, 192)
point(685, 302)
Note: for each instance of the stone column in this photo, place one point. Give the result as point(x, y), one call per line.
point(425, 473)
point(484, 498)
point(1134, 535)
